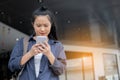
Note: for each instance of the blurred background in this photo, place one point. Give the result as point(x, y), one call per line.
point(88, 29)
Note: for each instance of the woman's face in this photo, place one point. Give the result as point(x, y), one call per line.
point(42, 25)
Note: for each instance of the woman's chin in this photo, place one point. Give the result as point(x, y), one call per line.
point(42, 35)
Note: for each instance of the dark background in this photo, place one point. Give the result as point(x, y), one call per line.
point(73, 17)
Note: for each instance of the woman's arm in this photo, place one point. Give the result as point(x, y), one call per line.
point(59, 65)
point(15, 57)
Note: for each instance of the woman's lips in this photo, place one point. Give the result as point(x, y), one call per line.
point(42, 33)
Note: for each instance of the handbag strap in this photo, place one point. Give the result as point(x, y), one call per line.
point(25, 44)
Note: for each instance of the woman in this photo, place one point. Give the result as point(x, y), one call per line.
point(42, 61)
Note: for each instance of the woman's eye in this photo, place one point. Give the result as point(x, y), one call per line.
point(38, 25)
point(46, 25)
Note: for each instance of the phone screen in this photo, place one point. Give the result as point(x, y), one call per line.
point(41, 39)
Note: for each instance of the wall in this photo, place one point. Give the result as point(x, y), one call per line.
point(8, 37)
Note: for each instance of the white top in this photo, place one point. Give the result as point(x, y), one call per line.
point(37, 59)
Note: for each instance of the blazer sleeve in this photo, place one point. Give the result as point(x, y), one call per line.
point(15, 57)
point(59, 65)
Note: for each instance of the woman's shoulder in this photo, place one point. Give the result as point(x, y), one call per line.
point(56, 43)
point(19, 41)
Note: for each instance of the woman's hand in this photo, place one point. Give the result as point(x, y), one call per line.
point(44, 48)
point(35, 49)
point(40, 48)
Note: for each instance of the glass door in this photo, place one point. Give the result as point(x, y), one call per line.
point(79, 66)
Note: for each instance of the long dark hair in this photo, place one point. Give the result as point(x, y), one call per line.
point(44, 11)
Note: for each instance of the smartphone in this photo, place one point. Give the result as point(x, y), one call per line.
point(41, 39)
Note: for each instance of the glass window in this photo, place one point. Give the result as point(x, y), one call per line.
point(110, 66)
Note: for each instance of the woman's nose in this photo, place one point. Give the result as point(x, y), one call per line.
point(42, 28)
